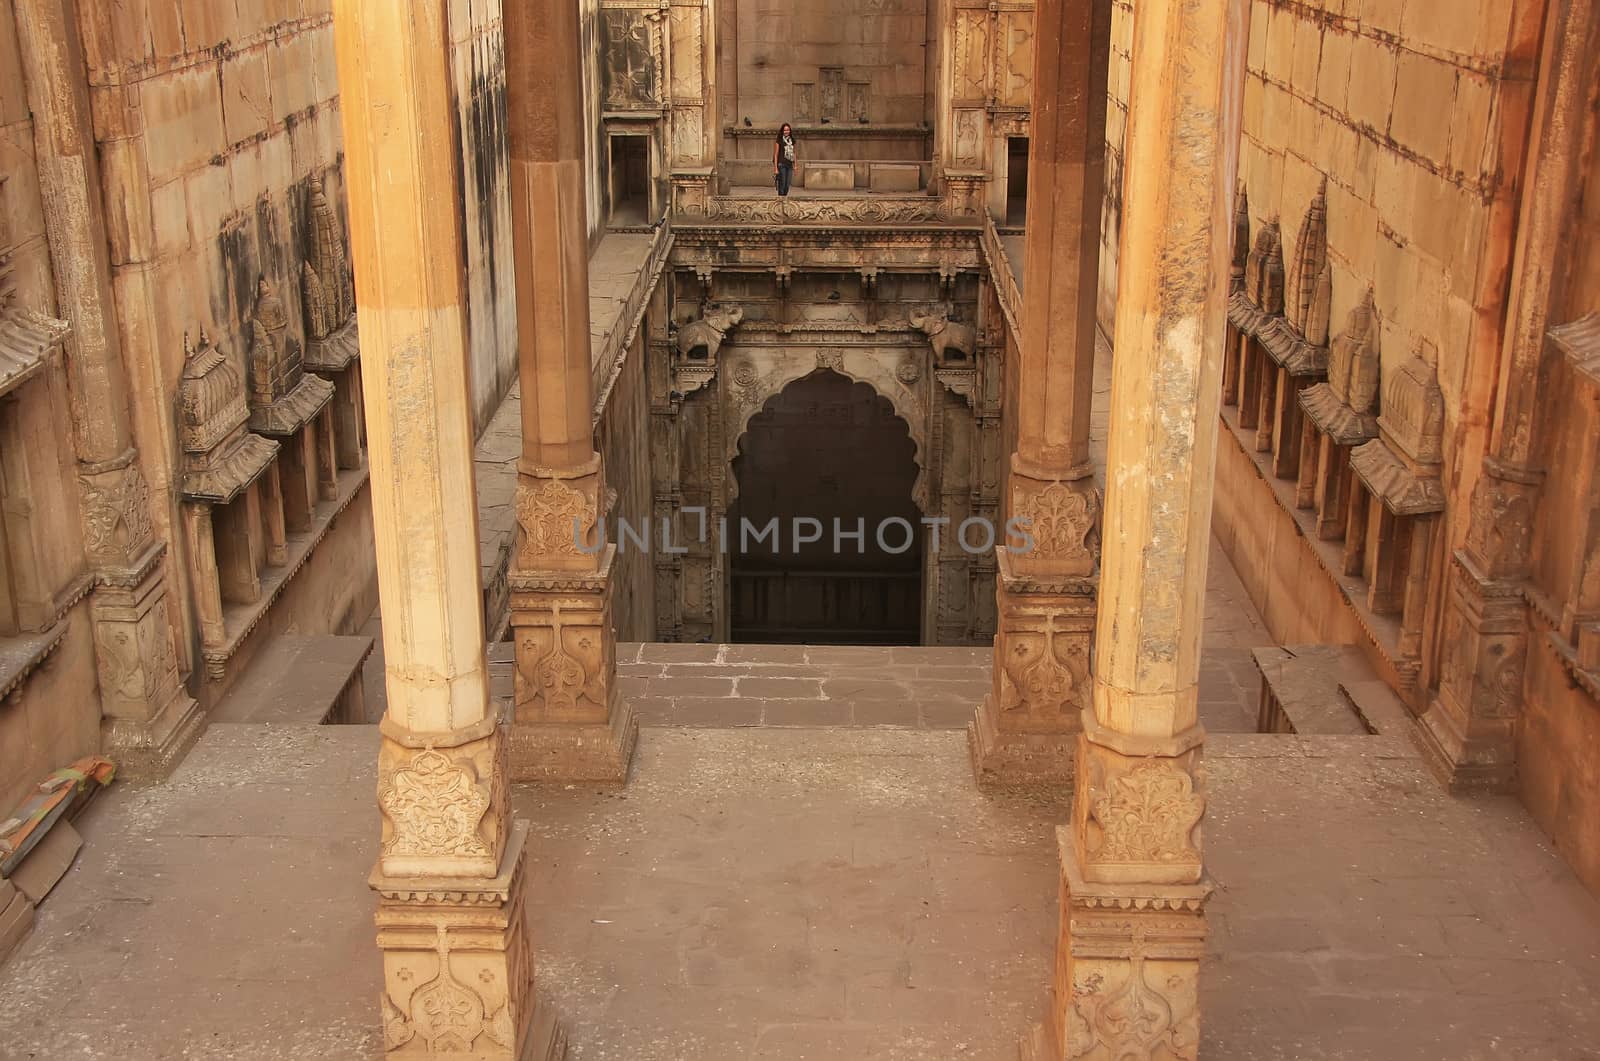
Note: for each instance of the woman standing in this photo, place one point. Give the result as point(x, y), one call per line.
point(783, 159)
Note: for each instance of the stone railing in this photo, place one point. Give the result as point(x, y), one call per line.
point(619, 336)
point(1005, 281)
point(856, 210)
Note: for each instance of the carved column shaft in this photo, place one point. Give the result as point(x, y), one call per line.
point(457, 969)
point(569, 725)
point(1468, 733)
point(1025, 729)
point(149, 718)
point(1134, 884)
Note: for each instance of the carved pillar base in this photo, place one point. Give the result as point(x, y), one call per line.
point(1127, 970)
point(458, 977)
point(1468, 735)
point(568, 723)
point(148, 719)
point(1026, 730)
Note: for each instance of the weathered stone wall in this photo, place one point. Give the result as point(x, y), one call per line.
point(53, 717)
point(883, 52)
point(1414, 116)
point(478, 62)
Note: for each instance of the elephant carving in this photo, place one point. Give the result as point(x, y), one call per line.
point(952, 340)
point(699, 340)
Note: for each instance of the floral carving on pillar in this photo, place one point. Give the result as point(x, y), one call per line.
point(445, 1016)
point(1036, 678)
point(1146, 815)
point(1064, 523)
point(559, 675)
point(1132, 1020)
point(555, 517)
point(434, 806)
point(116, 516)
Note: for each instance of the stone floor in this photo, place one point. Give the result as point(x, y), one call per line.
point(768, 889)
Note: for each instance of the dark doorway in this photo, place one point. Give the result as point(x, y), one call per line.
point(1016, 181)
point(630, 180)
point(833, 451)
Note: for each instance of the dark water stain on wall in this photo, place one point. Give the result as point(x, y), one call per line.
point(233, 299)
point(487, 120)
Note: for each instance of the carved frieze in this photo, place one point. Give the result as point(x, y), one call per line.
point(878, 210)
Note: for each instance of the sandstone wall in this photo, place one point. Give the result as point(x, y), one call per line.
point(54, 716)
point(210, 127)
point(478, 63)
point(1414, 115)
point(782, 44)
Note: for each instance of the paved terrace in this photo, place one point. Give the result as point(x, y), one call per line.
point(802, 867)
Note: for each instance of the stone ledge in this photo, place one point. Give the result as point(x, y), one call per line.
point(21, 655)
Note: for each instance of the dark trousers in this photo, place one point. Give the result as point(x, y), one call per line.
point(785, 177)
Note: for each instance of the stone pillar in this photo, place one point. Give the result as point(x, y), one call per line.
point(569, 724)
point(1133, 883)
point(458, 972)
point(1026, 729)
point(148, 718)
point(1468, 734)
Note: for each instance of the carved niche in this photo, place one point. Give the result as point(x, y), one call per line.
point(282, 397)
point(1278, 329)
point(327, 289)
point(1390, 527)
point(221, 457)
point(333, 342)
point(1339, 415)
